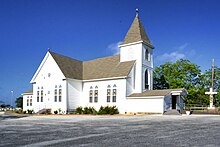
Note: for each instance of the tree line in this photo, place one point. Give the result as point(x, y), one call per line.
point(185, 74)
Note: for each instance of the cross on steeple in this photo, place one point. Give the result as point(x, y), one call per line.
point(137, 11)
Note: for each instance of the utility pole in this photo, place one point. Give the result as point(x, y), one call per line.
point(212, 74)
point(12, 95)
point(211, 92)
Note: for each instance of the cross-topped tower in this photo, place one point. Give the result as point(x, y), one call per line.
point(137, 47)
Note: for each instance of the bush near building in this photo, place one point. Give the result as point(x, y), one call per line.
point(102, 110)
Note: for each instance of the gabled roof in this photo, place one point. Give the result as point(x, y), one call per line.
point(136, 33)
point(148, 93)
point(29, 92)
point(107, 67)
point(71, 68)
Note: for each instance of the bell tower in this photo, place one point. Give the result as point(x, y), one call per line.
point(137, 46)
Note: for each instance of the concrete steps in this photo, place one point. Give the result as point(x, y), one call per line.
point(172, 112)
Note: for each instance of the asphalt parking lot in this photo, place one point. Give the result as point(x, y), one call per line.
point(110, 131)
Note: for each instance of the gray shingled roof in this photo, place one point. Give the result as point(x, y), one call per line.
point(29, 92)
point(148, 93)
point(106, 67)
point(71, 68)
point(136, 33)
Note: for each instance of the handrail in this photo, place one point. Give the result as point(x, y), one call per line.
point(42, 106)
point(196, 107)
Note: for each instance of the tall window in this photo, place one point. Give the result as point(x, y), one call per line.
point(38, 96)
point(27, 102)
point(31, 102)
point(90, 94)
point(60, 93)
point(114, 93)
point(108, 93)
point(147, 55)
point(55, 95)
point(146, 80)
point(96, 94)
point(41, 95)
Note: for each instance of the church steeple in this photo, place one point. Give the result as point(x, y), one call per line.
point(136, 33)
point(137, 47)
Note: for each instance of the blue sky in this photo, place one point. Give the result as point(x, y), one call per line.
point(89, 29)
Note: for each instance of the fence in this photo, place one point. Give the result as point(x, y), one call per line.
point(192, 107)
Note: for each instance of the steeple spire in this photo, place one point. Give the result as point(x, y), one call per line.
point(136, 32)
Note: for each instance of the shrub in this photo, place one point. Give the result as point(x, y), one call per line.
point(108, 110)
point(113, 110)
point(79, 110)
point(59, 110)
point(29, 111)
point(92, 110)
point(102, 110)
point(19, 111)
point(24, 112)
point(55, 112)
point(89, 110)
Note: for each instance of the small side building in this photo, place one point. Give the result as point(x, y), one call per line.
point(156, 101)
point(28, 100)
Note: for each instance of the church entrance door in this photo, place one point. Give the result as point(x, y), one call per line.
point(173, 102)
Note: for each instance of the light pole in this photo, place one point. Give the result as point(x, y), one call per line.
point(12, 94)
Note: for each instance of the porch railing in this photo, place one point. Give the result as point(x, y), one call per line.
point(196, 107)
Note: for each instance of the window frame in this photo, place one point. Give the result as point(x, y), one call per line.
point(108, 94)
point(96, 93)
point(114, 93)
point(91, 95)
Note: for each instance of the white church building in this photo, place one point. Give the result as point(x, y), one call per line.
point(124, 81)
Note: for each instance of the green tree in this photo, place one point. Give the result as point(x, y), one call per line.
point(19, 102)
point(181, 74)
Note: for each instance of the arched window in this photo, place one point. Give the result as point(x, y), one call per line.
point(114, 93)
point(96, 94)
point(147, 55)
point(55, 95)
point(90, 94)
point(108, 93)
point(41, 95)
point(59, 92)
point(30, 102)
point(146, 80)
point(38, 96)
point(60, 95)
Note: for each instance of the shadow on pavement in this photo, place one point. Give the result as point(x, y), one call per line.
point(3, 117)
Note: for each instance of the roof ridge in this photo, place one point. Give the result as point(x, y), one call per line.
point(101, 58)
point(64, 56)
